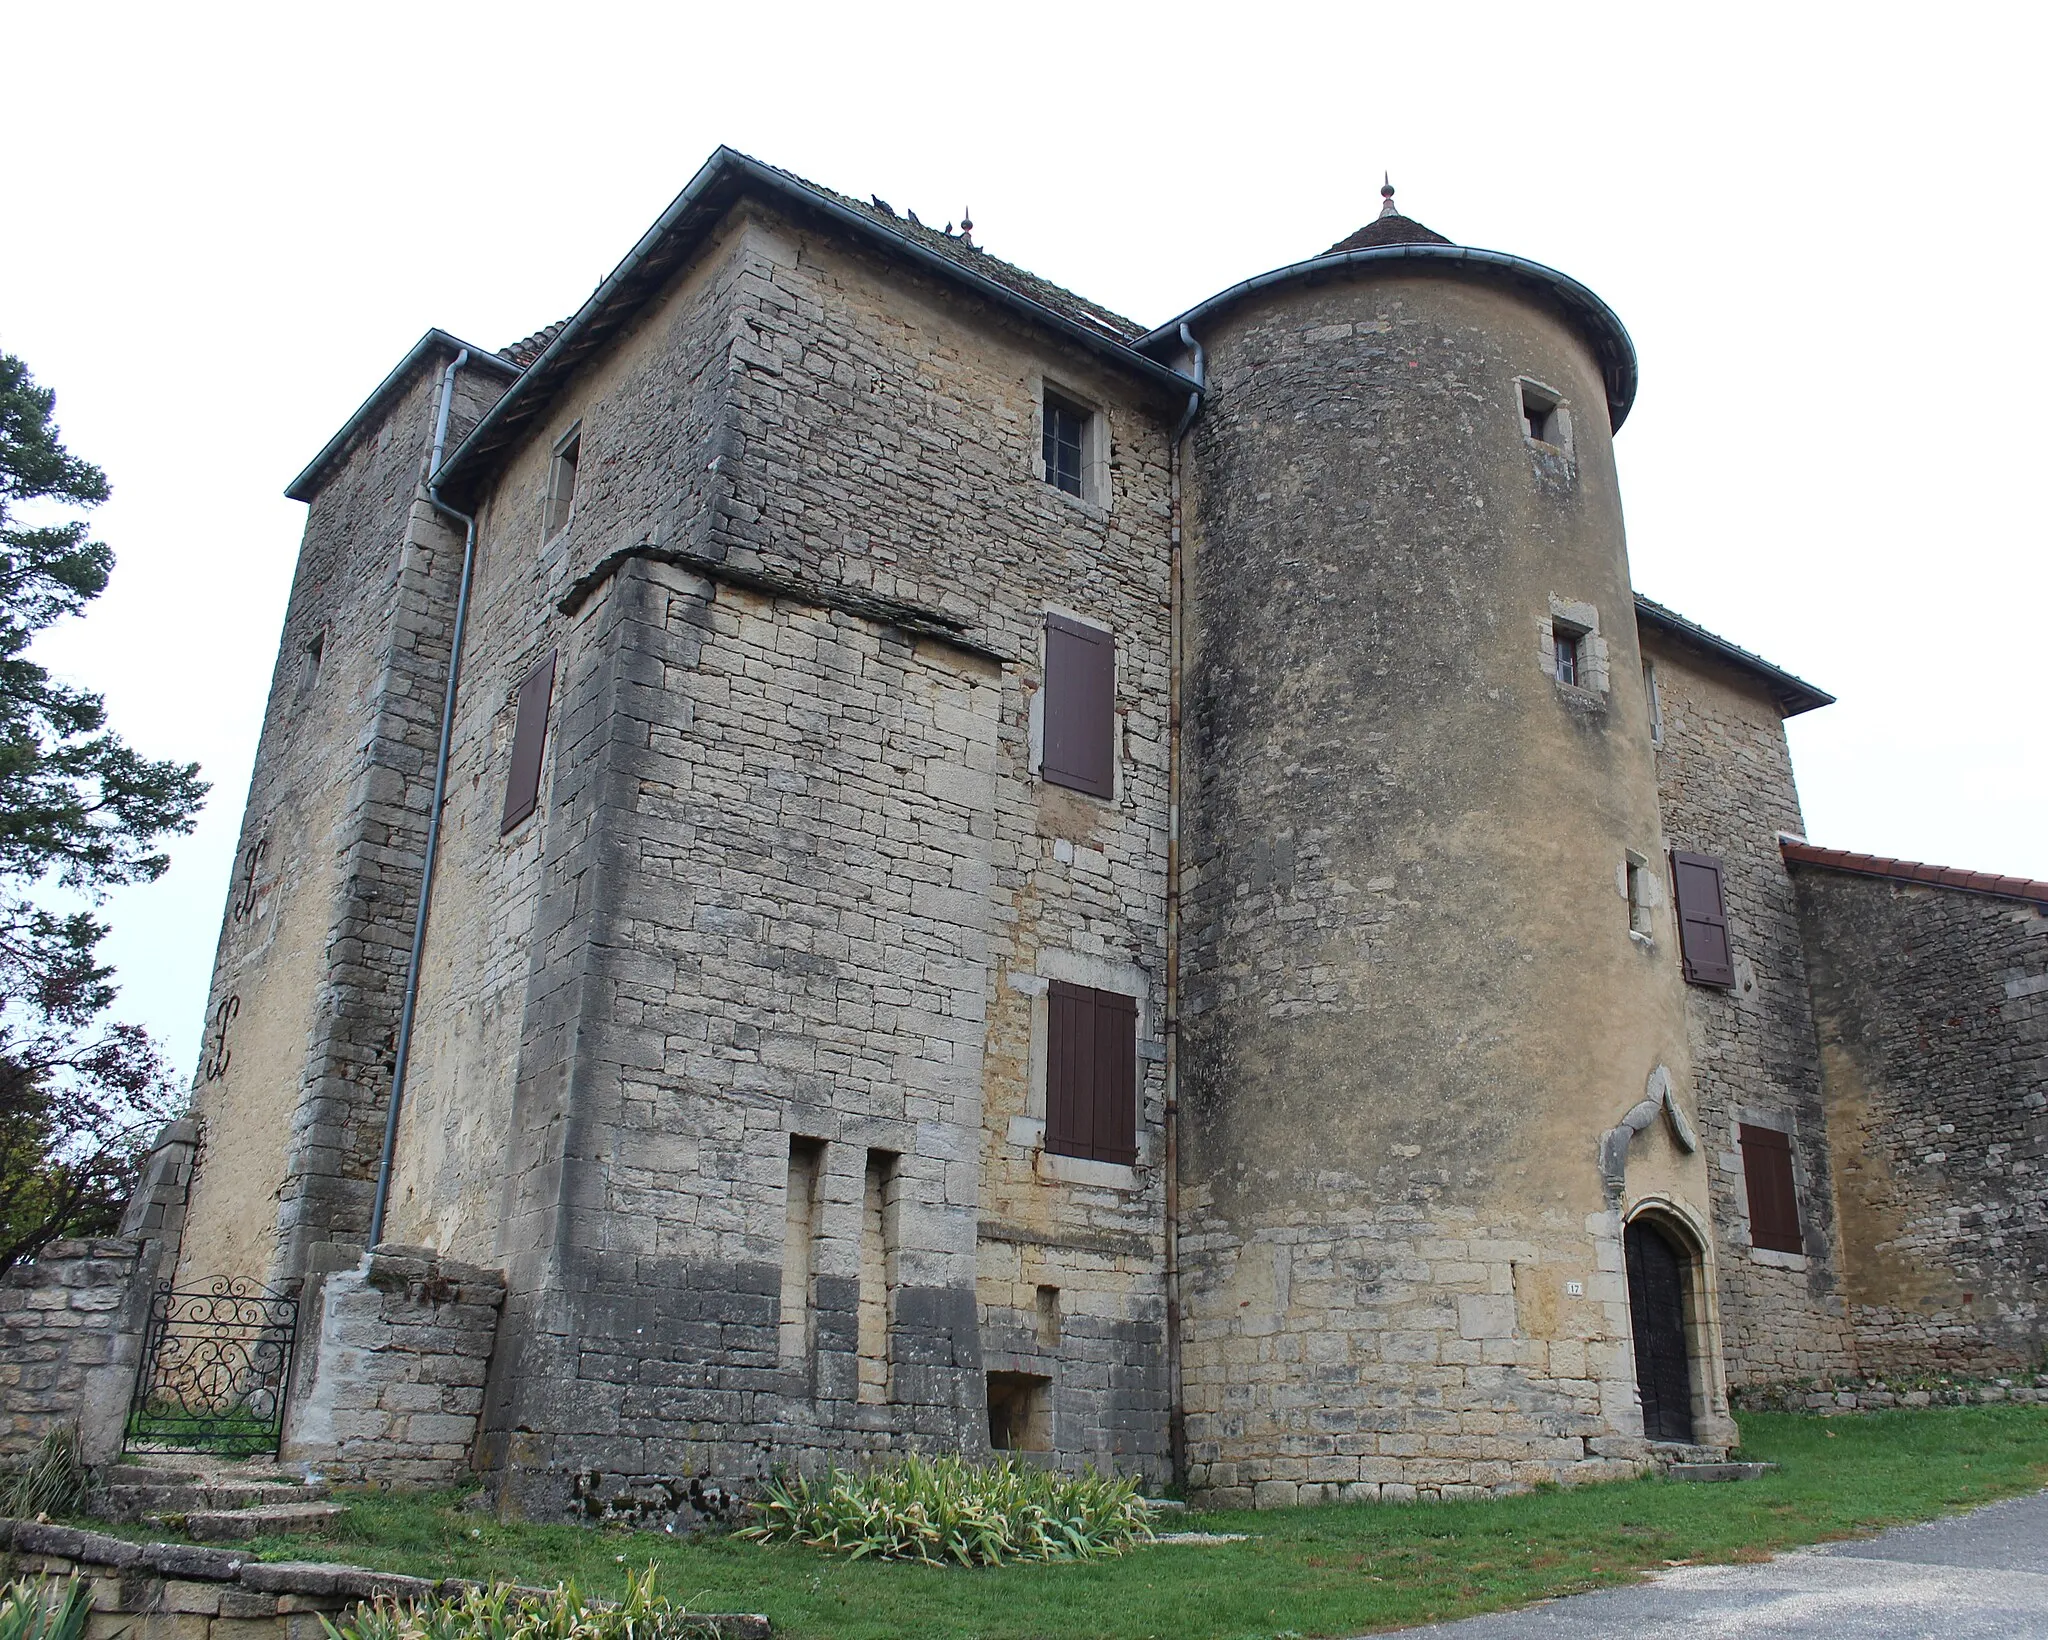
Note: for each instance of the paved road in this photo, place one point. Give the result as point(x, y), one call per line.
point(1980, 1576)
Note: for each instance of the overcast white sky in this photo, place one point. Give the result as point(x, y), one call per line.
point(1822, 225)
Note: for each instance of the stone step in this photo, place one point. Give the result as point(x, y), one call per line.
point(135, 1502)
point(233, 1525)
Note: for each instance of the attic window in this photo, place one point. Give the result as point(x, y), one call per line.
point(561, 499)
point(1544, 417)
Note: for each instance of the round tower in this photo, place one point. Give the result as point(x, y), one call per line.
point(1435, 1087)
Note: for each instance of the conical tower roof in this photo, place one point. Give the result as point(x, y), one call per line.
point(1390, 227)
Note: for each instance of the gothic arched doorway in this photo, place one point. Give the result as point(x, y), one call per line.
point(1659, 1270)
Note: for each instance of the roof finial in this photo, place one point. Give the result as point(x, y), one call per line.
point(1387, 194)
point(967, 226)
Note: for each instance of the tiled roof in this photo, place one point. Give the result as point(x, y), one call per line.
point(524, 352)
point(959, 248)
point(1793, 695)
point(1914, 871)
point(1389, 228)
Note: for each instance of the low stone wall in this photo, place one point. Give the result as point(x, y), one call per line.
point(1876, 1394)
point(71, 1326)
point(175, 1591)
point(392, 1360)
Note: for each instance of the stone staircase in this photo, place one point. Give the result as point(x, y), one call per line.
point(216, 1501)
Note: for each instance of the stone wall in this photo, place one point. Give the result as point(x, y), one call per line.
point(71, 1325)
point(390, 1374)
point(1932, 1010)
point(1725, 783)
point(176, 1591)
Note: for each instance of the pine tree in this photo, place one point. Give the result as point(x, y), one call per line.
point(79, 1094)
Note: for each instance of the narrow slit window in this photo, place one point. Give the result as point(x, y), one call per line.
point(1542, 418)
point(880, 1243)
point(1066, 436)
point(1638, 896)
point(562, 485)
point(799, 1330)
point(1048, 1315)
point(529, 742)
point(1656, 701)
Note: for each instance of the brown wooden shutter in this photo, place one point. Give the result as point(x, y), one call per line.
point(529, 740)
point(1080, 707)
point(1702, 918)
point(1091, 1074)
point(1773, 1193)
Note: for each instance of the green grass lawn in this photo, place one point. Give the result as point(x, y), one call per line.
point(1305, 1572)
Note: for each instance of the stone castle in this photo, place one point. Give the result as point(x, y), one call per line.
point(852, 852)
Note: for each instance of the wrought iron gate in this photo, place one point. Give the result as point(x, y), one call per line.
point(216, 1361)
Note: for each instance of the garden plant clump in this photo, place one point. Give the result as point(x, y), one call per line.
point(42, 1609)
point(502, 1612)
point(948, 1511)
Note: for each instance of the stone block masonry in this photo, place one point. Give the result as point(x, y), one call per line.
point(391, 1370)
point(1932, 1010)
point(1724, 777)
point(71, 1327)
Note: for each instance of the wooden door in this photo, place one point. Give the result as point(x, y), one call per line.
point(1656, 1307)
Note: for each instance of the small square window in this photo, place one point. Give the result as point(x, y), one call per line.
point(1539, 413)
point(1065, 442)
point(561, 485)
point(1019, 1412)
point(1565, 644)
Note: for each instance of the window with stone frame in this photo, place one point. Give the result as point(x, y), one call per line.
point(1078, 715)
point(561, 496)
point(1772, 1189)
point(1066, 429)
point(1091, 1074)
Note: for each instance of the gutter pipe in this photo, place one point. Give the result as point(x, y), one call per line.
point(410, 1006)
point(1176, 1418)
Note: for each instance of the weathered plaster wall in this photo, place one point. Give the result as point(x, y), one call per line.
point(296, 1062)
point(1413, 1004)
point(1725, 780)
point(1932, 1009)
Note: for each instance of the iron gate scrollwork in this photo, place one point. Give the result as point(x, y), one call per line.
point(216, 1361)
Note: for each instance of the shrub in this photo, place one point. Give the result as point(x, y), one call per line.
point(52, 1480)
point(502, 1612)
point(39, 1609)
point(947, 1510)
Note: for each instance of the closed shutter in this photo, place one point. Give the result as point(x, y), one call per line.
point(1702, 918)
point(529, 740)
point(1773, 1194)
point(1091, 1074)
point(1080, 707)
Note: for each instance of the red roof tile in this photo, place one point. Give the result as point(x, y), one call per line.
point(1914, 871)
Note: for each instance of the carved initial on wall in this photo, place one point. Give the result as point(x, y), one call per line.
point(217, 1056)
point(245, 892)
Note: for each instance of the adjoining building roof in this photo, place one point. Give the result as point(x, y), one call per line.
point(1801, 853)
point(1793, 695)
point(676, 235)
point(308, 483)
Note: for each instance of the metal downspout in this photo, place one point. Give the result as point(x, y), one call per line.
point(409, 1007)
point(1176, 1417)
